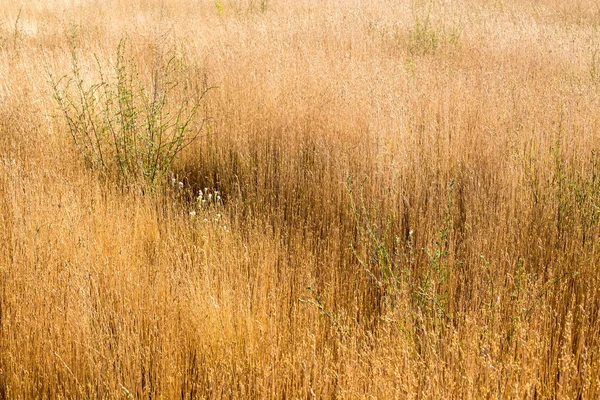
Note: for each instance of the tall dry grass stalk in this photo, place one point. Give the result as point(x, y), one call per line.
point(409, 204)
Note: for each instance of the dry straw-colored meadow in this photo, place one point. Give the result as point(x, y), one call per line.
point(400, 199)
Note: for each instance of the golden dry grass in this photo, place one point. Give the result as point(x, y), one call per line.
point(410, 205)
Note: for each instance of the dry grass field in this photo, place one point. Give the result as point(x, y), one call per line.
point(300, 199)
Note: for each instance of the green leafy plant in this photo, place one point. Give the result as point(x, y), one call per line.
point(586, 189)
point(433, 294)
point(577, 193)
point(127, 126)
point(423, 38)
point(389, 261)
point(378, 258)
point(219, 7)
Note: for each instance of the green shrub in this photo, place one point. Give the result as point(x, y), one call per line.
point(128, 127)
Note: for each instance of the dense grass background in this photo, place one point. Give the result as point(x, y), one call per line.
point(410, 204)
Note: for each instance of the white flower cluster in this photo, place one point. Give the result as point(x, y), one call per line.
point(176, 183)
point(208, 197)
point(209, 202)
